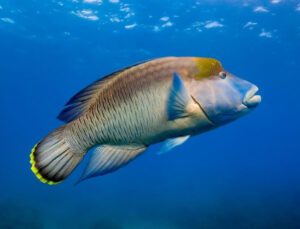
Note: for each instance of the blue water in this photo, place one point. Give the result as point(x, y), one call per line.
point(243, 175)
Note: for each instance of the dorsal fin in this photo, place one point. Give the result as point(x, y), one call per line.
point(83, 100)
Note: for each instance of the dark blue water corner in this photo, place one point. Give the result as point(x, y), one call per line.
point(243, 175)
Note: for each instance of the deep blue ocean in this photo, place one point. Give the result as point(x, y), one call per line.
point(242, 175)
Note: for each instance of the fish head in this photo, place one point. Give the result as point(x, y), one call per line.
point(222, 96)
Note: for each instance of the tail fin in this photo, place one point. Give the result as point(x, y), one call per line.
point(52, 159)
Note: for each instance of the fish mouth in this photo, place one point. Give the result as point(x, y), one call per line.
point(252, 99)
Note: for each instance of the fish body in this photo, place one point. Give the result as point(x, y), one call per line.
point(166, 99)
point(132, 108)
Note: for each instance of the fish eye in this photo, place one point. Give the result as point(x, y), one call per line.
point(222, 75)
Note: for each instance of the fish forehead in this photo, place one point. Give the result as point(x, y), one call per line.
point(207, 67)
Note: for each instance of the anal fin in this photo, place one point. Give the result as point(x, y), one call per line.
point(108, 158)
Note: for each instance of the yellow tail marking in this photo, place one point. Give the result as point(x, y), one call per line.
point(36, 171)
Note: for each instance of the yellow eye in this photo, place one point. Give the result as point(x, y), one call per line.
point(222, 75)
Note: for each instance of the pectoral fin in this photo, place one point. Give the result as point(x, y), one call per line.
point(108, 158)
point(171, 143)
point(178, 98)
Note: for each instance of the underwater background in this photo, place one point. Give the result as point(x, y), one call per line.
point(243, 175)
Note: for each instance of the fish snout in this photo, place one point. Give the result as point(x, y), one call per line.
point(252, 99)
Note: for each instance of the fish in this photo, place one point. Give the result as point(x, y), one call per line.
point(165, 100)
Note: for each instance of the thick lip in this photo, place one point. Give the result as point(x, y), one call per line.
point(251, 98)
